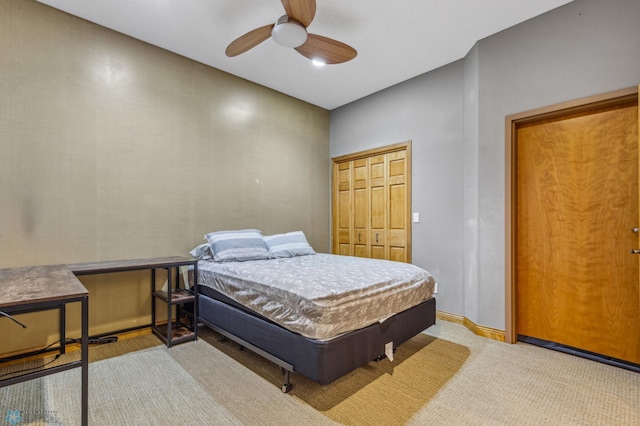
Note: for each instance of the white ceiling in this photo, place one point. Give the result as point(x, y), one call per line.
point(395, 39)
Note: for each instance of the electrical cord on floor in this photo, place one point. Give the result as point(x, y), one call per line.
point(98, 340)
point(41, 351)
point(27, 370)
point(92, 341)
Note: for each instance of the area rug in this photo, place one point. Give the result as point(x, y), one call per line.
point(383, 392)
point(147, 387)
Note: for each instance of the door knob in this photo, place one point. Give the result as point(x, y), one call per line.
point(635, 230)
point(634, 251)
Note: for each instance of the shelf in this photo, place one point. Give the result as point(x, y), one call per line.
point(179, 332)
point(174, 296)
point(177, 296)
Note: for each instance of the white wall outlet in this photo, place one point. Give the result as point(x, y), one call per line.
point(435, 289)
point(416, 217)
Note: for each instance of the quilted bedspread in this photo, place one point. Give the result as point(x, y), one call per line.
point(321, 296)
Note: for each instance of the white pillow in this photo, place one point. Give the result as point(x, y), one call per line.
point(237, 246)
point(202, 252)
point(288, 245)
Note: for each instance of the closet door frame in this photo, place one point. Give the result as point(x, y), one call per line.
point(403, 146)
point(511, 124)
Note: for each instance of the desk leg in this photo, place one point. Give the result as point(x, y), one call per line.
point(169, 309)
point(153, 299)
point(63, 328)
point(85, 361)
point(196, 301)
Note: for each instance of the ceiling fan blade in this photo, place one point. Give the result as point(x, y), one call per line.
point(248, 40)
point(329, 50)
point(302, 11)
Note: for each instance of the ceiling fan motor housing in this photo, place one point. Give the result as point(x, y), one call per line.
point(288, 32)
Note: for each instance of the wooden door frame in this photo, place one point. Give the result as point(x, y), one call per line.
point(511, 123)
point(403, 146)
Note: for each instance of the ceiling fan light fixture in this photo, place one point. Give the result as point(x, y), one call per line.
point(288, 32)
point(319, 62)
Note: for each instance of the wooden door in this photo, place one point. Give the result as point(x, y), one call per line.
point(342, 211)
point(398, 207)
point(379, 206)
point(372, 202)
point(360, 208)
point(576, 205)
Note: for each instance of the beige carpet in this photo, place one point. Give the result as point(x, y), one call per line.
point(446, 377)
point(377, 393)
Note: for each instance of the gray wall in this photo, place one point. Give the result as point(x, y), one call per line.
point(428, 110)
point(584, 48)
point(111, 148)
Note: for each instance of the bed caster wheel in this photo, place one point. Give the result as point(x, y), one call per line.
point(286, 387)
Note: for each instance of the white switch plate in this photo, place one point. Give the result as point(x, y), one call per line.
point(416, 217)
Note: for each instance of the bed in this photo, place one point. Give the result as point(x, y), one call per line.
point(319, 315)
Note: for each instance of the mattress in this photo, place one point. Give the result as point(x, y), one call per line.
point(320, 296)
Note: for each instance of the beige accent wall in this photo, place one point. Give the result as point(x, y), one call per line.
point(111, 148)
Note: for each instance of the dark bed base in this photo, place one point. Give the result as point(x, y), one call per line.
point(321, 361)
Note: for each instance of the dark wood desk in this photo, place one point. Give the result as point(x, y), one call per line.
point(173, 332)
point(39, 288)
point(107, 266)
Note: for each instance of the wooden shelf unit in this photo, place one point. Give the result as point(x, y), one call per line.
point(172, 296)
point(175, 330)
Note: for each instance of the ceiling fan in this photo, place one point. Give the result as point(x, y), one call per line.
point(290, 30)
